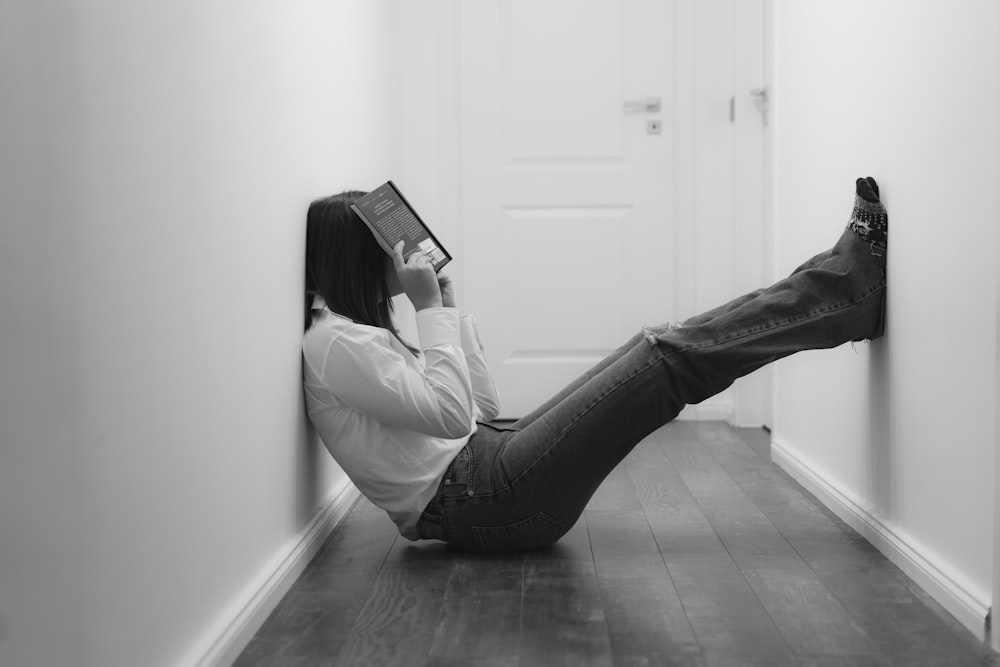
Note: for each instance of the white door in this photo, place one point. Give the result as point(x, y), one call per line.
point(597, 193)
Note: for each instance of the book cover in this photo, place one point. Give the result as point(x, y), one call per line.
point(392, 219)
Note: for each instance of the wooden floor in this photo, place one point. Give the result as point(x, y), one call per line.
point(696, 551)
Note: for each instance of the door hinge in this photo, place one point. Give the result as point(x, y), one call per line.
point(762, 100)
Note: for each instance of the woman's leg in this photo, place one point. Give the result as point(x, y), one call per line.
point(546, 472)
point(864, 221)
point(702, 318)
point(569, 389)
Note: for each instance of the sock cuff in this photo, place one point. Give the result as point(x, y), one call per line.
point(870, 221)
point(874, 207)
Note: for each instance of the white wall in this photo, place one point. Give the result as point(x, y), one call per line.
point(157, 160)
point(898, 436)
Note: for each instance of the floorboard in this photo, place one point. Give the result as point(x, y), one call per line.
point(480, 621)
point(562, 616)
point(647, 622)
point(696, 550)
point(399, 619)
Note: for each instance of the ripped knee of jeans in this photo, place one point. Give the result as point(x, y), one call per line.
point(651, 335)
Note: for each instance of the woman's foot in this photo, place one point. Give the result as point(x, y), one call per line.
point(869, 219)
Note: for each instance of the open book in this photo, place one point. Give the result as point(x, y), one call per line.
point(392, 219)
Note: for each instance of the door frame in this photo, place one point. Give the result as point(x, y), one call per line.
point(753, 402)
point(995, 624)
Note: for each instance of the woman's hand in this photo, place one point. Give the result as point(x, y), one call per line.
point(447, 290)
point(417, 277)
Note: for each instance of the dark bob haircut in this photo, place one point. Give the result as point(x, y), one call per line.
point(345, 264)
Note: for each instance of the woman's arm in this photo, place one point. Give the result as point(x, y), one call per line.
point(362, 369)
point(484, 388)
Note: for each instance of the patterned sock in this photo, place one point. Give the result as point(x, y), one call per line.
point(869, 219)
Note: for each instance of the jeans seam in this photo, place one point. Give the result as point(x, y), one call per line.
point(754, 332)
point(471, 488)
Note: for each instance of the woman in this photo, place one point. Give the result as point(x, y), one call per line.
point(408, 425)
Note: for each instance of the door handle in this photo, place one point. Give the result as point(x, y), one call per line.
point(647, 105)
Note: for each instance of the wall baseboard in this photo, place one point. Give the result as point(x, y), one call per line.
point(223, 642)
point(936, 578)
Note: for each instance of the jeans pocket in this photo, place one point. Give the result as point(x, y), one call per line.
point(459, 475)
point(537, 531)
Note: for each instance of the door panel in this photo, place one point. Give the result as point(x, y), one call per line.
point(566, 198)
point(579, 224)
point(555, 67)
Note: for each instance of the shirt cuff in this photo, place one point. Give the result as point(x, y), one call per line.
point(438, 327)
point(470, 335)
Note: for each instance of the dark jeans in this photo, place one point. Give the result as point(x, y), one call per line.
point(524, 487)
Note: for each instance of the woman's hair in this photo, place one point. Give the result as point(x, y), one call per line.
point(345, 264)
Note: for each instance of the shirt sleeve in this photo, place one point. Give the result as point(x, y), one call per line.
point(367, 373)
point(484, 388)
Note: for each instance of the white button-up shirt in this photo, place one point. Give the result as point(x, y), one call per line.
point(394, 421)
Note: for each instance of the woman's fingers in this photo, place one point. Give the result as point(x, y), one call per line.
point(397, 255)
point(417, 277)
point(416, 259)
